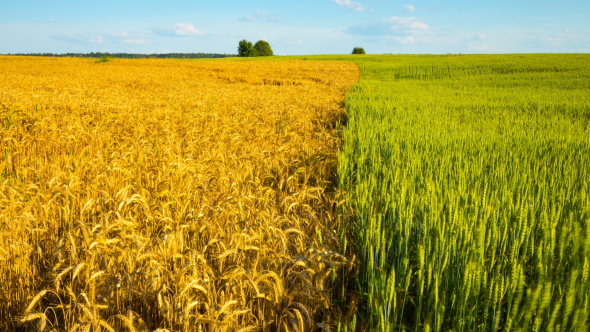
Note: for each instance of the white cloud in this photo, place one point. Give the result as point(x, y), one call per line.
point(132, 41)
point(185, 29)
point(350, 5)
point(477, 43)
point(125, 38)
point(81, 38)
point(96, 39)
point(51, 20)
point(480, 37)
point(404, 30)
point(478, 47)
point(409, 8)
point(178, 30)
point(556, 40)
point(121, 34)
point(409, 23)
point(112, 38)
point(259, 13)
point(401, 39)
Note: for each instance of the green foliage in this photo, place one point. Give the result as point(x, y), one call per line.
point(358, 50)
point(246, 49)
point(104, 59)
point(467, 189)
point(262, 47)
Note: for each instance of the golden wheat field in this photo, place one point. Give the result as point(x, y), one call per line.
point(142, 195)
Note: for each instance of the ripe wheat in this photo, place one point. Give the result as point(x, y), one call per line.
point(179, 196)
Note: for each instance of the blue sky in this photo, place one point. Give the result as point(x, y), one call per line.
point(295, 27)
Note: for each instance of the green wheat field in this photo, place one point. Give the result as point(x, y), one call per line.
point(467, 183)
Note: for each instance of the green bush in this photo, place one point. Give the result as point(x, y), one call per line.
point(246, 49)
point(262, 47)
point(358, 50)
point(104, 59)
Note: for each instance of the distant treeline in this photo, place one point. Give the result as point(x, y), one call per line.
point(131, 55)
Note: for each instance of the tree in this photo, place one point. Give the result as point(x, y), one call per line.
point(263, 48)
point(245, 49)
point(358, 50)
